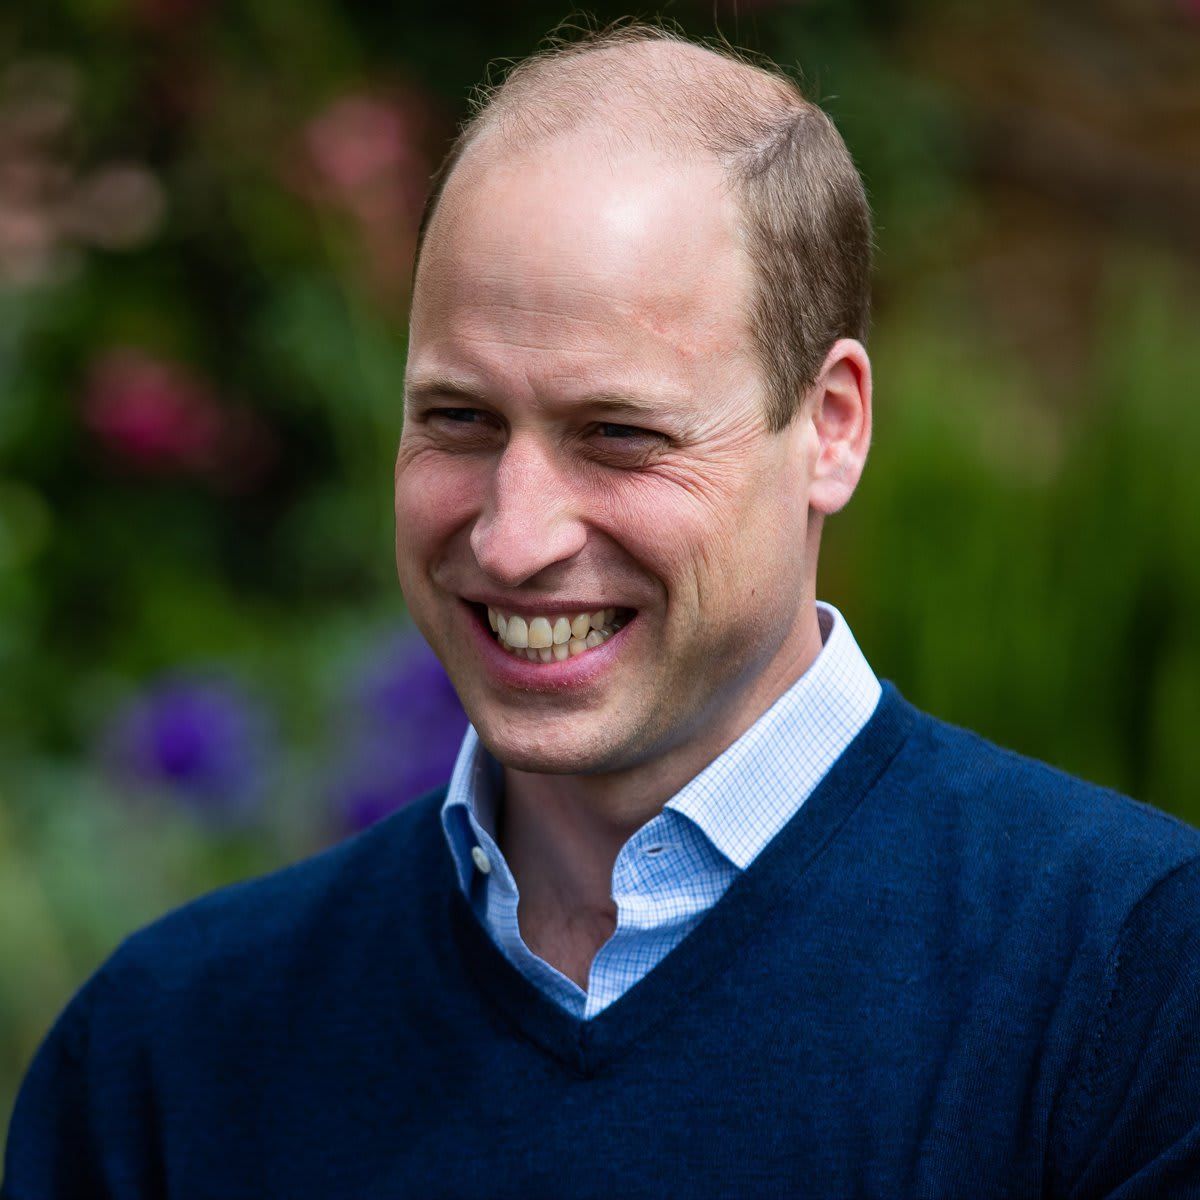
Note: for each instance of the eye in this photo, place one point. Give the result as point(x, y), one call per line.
point(461, 429)
point(609, 431)
point(624, 446)
point(462, 424)
point(458, 416)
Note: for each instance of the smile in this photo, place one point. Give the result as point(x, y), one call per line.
point(555, 636)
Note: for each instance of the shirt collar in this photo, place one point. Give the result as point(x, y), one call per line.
point(469, 810)
point(746, 794)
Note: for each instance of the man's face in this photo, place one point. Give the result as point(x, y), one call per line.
point(585, 431)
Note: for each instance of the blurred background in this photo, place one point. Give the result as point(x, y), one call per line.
point(207, 213)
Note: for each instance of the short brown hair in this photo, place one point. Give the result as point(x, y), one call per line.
point(808, 224)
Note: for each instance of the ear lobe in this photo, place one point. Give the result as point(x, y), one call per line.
point(840, 411)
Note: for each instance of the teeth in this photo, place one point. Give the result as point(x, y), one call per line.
point(553, 638)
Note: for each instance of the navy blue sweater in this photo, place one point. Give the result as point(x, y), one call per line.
point(955, 972)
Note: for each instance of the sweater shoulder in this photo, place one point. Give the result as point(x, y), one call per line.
point(263, 922)
point(1033, 819)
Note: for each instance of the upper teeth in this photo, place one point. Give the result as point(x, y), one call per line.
point(553, 636)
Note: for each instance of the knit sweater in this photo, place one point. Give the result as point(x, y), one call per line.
point(955, 972)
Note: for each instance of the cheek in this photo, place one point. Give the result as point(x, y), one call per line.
point(434, 499)
point(687, 537)
point(745, 552)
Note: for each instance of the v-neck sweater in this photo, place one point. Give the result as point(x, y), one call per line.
point(954, 972)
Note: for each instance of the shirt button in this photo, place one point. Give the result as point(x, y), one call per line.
point(480, 859)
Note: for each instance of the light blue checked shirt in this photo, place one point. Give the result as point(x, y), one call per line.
point(679, 864)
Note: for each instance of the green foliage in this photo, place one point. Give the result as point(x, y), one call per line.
point(1026, 565)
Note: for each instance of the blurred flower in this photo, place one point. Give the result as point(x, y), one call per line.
point(359, 141)
point(156, 416)
point(151, 412)
point(46, 212)
point(405, 726)
point(38, 99)
point(27, 245)
point(202, 740)
point(116, 207)
point(364, 156)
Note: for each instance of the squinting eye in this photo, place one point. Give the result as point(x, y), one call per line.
point(462, 416)
point(609, 431)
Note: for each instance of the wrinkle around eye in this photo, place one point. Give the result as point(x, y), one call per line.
point(641, 451)
point(704, 479)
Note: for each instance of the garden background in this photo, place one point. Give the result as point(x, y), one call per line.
point(207, 213)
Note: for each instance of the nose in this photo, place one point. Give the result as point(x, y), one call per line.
point(532, 518)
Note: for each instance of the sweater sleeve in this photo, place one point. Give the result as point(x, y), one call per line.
point(1132, 1115)
point(82, 1127)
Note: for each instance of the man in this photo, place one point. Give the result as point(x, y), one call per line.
point(705, 908)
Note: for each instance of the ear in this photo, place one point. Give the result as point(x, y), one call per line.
point(838, 407)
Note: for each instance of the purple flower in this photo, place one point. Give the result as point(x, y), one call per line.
point(406, 724)
point(202, 740)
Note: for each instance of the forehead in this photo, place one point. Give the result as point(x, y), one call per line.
point(571, 260)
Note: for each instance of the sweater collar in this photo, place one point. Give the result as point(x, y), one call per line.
point(748, 912)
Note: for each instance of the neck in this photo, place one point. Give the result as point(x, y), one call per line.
point(561, 834)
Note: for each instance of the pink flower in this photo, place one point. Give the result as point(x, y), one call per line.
point(150, 412)
point(156, 416)
point(360, 142)
point(365, 156)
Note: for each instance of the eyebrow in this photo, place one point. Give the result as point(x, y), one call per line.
point(618, 403)
point(429, 386)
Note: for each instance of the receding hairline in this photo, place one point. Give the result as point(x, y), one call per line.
point(635, 86)
point(643, 83)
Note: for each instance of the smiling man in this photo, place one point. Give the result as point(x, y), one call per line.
point(600, 529)
point(704, 907)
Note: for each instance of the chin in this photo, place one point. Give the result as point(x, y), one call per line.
point(538, 754)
